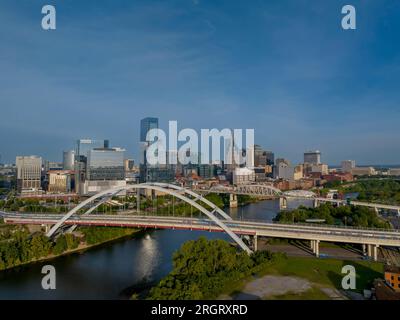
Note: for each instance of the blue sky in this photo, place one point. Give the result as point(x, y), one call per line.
point(285, 68)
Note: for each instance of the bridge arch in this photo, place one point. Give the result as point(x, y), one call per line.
point(258, 189)
point(197, 197)
point(164, 188)
point(247, 189)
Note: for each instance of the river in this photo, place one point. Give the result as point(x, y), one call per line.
point(115, 270)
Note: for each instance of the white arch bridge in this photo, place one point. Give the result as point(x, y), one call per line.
point(215, 214)
point(217, 221)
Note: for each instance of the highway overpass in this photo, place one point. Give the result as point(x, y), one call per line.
point(370, 239)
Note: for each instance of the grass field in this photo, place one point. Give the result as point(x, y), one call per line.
point(327, 272)
point(323, 274)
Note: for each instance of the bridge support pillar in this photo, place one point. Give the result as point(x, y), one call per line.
point(316, 203)
point(398, 212)
point(376, 252)
point(138, 200)
point(364, 249)
point(282, 203)
point(255, 243)
point(312, 246)
point(316, 248)
point(233, 202)
point(369, 246)
point(376, 210)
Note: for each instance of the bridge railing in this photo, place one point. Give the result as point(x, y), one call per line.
point(315, 225)
point(277, 223)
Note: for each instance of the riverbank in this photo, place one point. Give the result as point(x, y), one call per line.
point(82, 247)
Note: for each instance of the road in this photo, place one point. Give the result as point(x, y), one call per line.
point(375, 237)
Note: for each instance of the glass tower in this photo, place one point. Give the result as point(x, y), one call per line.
point(83, 146)
point(146, 125)
point(106, 164)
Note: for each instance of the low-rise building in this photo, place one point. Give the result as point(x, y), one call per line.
point(284, 170)
point(392, 277)
point(243, 176)
point(59, 181)
point(348, 165)
point(298, 172)
point(394, 172)
point(320, 168)
point(338, 177)
point(363, 171)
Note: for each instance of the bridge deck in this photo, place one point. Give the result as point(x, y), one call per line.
point(291, 231)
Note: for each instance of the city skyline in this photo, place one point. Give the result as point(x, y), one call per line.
point(61, 155)
point(300, 86)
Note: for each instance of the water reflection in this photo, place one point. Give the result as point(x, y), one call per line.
point(149, 254)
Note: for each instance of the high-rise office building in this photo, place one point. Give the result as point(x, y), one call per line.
point(206, 171)
point(106, 164)
point(68, 160)
point(82, 152)
point(51, 165)
point(152, 172)
point(348, 165)
point(146, 125)
point(312, 157)
point(262, 157)
point(104, 170)
point(283, 169)
point(129, 164)
point(29, 172)
point(83, 146)
point(270, 157)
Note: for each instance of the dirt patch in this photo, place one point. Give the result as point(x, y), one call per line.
point(269, 286)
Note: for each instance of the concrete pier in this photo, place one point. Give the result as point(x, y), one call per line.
point(233, 202)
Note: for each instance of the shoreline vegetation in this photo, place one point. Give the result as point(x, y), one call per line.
point(343, 216)
point(19, 248)
point(382, 190)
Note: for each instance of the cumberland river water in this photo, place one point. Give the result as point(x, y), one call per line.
point(116, 270)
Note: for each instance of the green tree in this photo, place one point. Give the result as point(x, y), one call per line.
point(60, 245)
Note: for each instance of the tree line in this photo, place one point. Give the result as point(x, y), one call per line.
point(343, 215)
point(19, 246)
